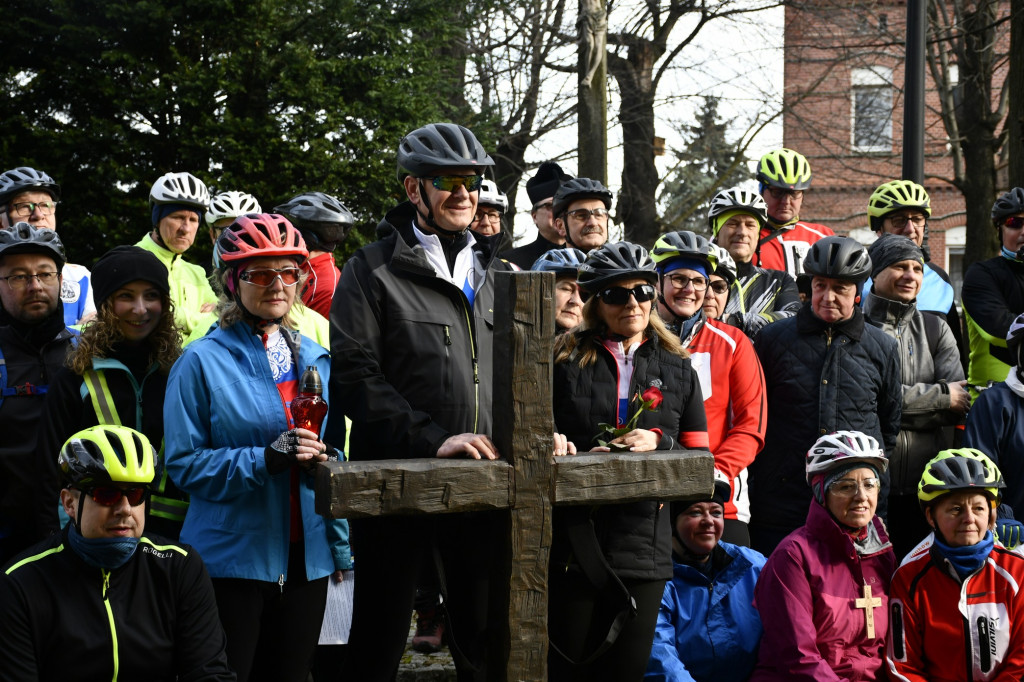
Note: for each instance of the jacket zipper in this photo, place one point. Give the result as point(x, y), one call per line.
point(110, 619)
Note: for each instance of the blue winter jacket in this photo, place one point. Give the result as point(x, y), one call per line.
point(221, 412)
point(709, 629)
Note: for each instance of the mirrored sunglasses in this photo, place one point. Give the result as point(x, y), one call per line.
point(264, 278)
point(450, 183)
point(1014, 222)
point(620, 295)
point(110, 496)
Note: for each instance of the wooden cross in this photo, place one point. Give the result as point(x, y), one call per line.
point(869, 605)
point(526, 483)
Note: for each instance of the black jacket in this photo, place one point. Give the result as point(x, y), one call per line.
point(68, 411)
point(411, 361)
point(33, 356)
point(526, 255)
point(821, 378)
point(61, 616)
point(635, 537)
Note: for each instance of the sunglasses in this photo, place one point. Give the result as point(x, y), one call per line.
point(778, 193)
point(264, 278)
point(620, 295)
point(109, 496)
point(1014, 222)
point(450, 183)
point(720, 287)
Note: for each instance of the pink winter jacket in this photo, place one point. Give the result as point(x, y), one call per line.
point(807, 595)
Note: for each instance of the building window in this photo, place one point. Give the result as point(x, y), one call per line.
point(871, 109)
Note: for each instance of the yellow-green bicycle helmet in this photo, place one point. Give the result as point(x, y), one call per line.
point(107, 454)
point(959, 469)
point(784, 168)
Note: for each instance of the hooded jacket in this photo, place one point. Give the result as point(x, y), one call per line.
point(221, 412)
point(926, 371)
point(708, 629)
point(807, 595)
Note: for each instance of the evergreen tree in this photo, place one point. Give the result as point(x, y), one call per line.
point(707, 163)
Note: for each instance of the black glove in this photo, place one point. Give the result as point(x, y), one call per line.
point(280, 455)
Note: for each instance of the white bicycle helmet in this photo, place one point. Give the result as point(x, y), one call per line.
point(841, 449)
point(491, 196)
point(179, 188)
point(726, 268)
point(231, 205)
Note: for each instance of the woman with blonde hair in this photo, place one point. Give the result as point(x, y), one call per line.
point(117, 376)
point(233, 445)
point(622, 381)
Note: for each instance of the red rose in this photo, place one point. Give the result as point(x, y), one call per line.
point(652, 396)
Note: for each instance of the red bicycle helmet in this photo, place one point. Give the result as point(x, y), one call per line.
point(260, 235)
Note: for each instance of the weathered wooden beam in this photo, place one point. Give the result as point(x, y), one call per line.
point(617, 477)
point(411, 486)
point(524, 332)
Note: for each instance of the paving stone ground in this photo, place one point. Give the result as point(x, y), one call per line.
point(417, 667)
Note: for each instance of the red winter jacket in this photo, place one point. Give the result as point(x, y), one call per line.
point(786, 250)
point(942, 630)
point(732, 384)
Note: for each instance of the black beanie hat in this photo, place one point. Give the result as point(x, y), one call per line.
point(546, 182)
point(124, 264)
point(892, 248)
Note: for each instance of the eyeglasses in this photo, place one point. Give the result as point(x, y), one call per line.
point(1014, 222)
point(264, 278)
point(779, 193)
point(719, 286)
point(680, 282)
point(450, 183)
point(21, 281)
point(620, 295)
point(846, 487)
point(110, 496)
point(493, 217)
point(24, 210)
point(900, 221)
point(546, 204)
point(583, 214)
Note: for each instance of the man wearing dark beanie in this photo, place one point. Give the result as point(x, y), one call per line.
point(178, 202)
point(934, 393)
point(541, 189)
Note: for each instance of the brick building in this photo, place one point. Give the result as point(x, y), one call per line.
point(844, 74)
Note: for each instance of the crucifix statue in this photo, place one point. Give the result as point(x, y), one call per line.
point(526, 483)
point(869, 605)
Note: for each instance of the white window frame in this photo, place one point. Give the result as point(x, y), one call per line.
point(875, 77)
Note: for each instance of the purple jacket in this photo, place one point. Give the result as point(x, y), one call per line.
point(806, 597)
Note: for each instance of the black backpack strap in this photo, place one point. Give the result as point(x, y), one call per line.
point(590, 557)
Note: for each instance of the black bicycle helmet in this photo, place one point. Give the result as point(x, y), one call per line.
point(323, 220)
point(25, 238)
point(1008, 204)
point(439, 145)
point(838, 258)
point(579, 188)
point(107, 454)
point(611, 262)
point(959, 469)
point(25, 179)
point(683, 244)
point(563, 262)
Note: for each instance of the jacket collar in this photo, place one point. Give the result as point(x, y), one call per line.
point(823, 526)
point(809, 323)
point(396, 228)
point(887, 311)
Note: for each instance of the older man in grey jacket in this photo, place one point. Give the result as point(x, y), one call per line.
point(934, 394)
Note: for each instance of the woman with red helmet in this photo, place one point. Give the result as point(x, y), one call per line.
point(231, 443)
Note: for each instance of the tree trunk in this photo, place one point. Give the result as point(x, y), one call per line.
point(636, 209)
point(978, 122)
point(1015, 117)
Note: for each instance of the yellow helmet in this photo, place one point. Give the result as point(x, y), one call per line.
point(107, 454)
point(959, 469)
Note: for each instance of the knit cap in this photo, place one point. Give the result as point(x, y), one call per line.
point(124, 264)
point(892, 248)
